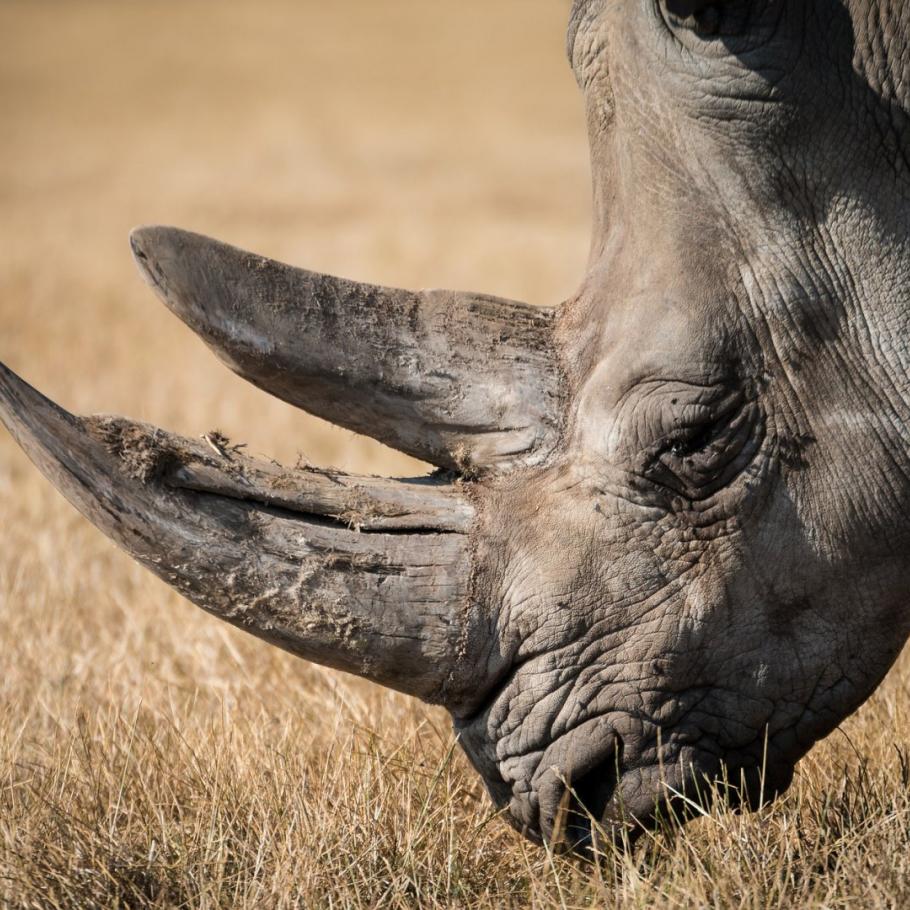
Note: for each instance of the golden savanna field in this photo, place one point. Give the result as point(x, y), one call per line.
point(152, 757)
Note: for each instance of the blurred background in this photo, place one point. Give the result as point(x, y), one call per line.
point(152, 756)
point(417, 143)
point(149, 754)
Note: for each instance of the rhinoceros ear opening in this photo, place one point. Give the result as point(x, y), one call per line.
point(366, 575)
point(684, 8)
point(702, 15)
point(463, 381)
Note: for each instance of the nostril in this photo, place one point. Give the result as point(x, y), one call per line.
point(575, 783)
point(589, 797)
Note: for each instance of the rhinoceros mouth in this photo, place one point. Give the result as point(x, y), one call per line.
point(588, 802)
point(647, 798)
point(593, 795)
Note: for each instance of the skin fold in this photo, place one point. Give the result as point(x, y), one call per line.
point(667, 548)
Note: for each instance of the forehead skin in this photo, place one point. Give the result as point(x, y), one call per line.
point(803, 75)
point(712, 167)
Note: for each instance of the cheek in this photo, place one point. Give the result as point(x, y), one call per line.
point(786, 637)
point(588, 574)
point(851, 494)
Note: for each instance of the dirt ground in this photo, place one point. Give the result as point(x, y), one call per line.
point(150, 756)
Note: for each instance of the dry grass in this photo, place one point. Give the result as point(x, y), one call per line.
point(148, 755)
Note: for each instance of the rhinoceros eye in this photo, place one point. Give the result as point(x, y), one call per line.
point(699, 457)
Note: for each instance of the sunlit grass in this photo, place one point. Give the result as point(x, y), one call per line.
point(152, 757)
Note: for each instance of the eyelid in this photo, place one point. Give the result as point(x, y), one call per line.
point(723, 425)
point(723, 417)
point(700, 414)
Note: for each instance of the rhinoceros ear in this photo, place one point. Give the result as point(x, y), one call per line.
point(463, 381)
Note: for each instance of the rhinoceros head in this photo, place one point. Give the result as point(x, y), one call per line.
point(668, 544)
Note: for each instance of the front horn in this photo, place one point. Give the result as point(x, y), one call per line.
point(366, 575)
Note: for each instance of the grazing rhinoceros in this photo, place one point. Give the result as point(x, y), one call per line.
point(669, 543)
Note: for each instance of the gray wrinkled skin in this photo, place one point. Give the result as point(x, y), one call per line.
point(670, 549)
point(715, 568)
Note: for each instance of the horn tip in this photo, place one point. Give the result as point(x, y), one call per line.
point(31, 418)
point(12, 391)
point(156, 249)
point(145, 238)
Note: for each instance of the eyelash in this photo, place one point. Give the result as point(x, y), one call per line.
point(683, 447)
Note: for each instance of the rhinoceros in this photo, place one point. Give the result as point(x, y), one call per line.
point(667, 545)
